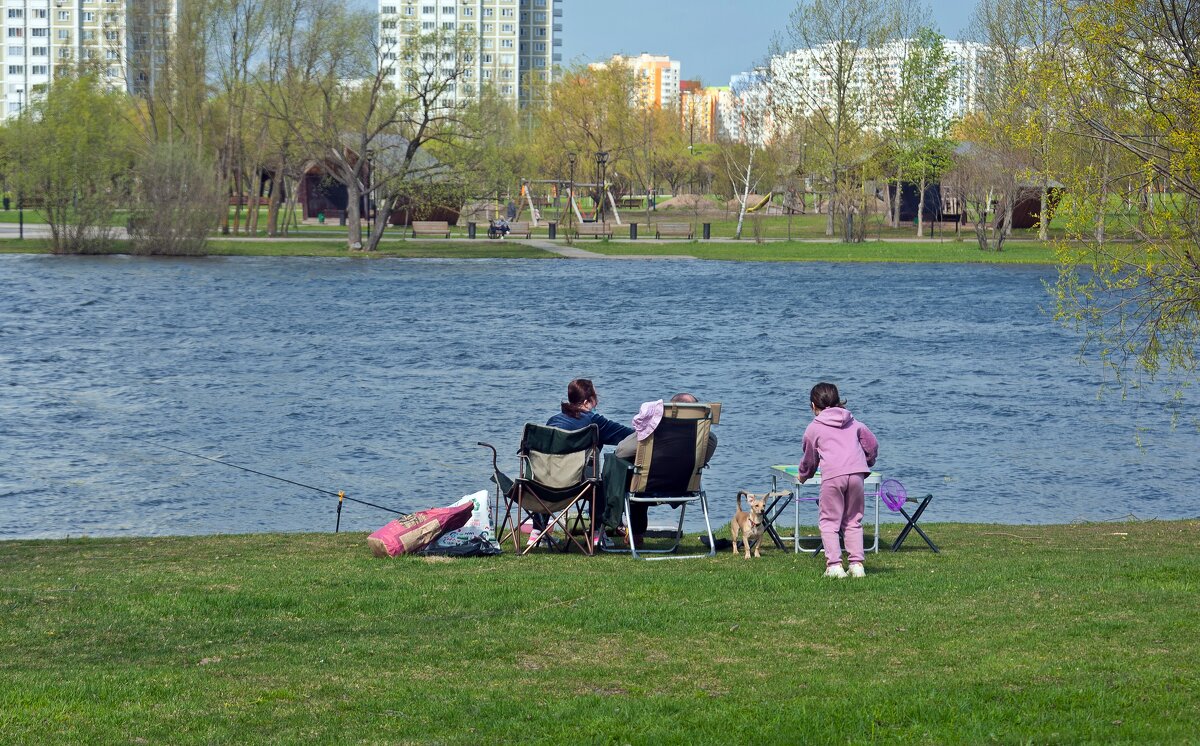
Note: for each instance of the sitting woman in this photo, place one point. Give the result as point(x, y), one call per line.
point(578, 411)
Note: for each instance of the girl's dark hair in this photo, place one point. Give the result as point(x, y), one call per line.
point(825, 395)
point(579, 392)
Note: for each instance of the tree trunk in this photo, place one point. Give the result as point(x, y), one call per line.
point(1102, 208)
point(921, 209)
point(745, 195)
point(276, 197)
point(896, 198)
point(383, 209)
point(830, 203)
point(1044, 213)
point(252, 216)
point(353, 214)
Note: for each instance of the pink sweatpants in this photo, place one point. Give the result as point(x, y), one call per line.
point(842, 504)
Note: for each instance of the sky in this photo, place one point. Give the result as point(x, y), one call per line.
point(712, 39)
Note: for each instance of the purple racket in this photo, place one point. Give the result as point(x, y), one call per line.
point(893, 494)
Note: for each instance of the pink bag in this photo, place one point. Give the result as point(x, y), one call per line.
point(412, 533)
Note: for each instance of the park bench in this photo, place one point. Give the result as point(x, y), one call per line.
point(522, 228)
point(596, 230)
point(673, 230)
point(953, 218)
point(431, 228)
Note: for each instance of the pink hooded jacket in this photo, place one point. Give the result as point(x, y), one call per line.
point(838, 444)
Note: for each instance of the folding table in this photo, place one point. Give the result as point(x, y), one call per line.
point(795, 493)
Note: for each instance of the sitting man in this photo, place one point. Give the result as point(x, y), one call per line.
point(626, 450)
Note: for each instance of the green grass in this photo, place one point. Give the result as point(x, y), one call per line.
point(960, 252)
point(1029, 634)
point(328, 248)
point(387, 249)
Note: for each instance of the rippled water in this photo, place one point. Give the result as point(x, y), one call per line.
point(378, 377)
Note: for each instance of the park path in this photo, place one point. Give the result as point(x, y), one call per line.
point(574, 252)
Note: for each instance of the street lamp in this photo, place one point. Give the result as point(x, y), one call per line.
point(20, 196)
point(571, 184)
point(601, 163)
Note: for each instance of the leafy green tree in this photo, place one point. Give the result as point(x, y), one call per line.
point(1134, 88)
point(69, 153)
point(925, 121)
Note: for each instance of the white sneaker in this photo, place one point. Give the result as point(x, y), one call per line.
point(857, 570)
point(835, 571)
point(534, 536)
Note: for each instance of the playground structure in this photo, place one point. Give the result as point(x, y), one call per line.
point(570, 188)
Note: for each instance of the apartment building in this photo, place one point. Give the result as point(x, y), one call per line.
point(514, 43)
point(699, 111)
point(124, 41)
point(657, 76)
point(797, 81)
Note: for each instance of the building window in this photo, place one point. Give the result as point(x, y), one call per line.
point(468, 11)
point(88, 16)
point(64, 15)
point(112, 54)
point(428, 25)
point(506, 43)
point(448, 25)
point(506, 28)
point(409, 11)
point(388, 10)
point(43, 32)
point(39, 51)
point(447, 10)
point(16, 33)
point(16, 51)
point(39, 70)
point(63, 35)
point(40, 13)
point(16, 12)
point(87, 35)
point(506, 12)
point(16, 69)
point(428, 9)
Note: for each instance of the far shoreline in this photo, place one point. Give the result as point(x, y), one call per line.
point(927, 251)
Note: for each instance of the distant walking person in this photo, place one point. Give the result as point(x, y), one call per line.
point(845, 451)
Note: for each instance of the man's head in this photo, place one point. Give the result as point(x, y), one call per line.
point(684, 398)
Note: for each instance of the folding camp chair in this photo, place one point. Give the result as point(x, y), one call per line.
point(895, 497)
point(667, 469)
point(558, 477)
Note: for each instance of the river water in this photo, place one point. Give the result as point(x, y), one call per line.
point(379, 377)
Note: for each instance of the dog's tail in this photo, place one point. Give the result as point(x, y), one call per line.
point(740, 493)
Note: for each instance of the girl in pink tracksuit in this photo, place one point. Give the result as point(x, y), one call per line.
point(845, 450)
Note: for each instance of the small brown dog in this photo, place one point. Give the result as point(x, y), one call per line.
point(749, 525)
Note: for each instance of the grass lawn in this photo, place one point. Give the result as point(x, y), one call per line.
point(1017, 252)
point(394, 249)
point(1014, 634)
point(329, 248)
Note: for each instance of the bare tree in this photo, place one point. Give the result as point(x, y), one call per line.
point(823, 75)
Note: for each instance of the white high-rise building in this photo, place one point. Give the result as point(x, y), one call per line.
point(796, 81)
point(123, 41)
point(514, 43)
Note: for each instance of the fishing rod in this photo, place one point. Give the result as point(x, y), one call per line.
point(340, 494)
